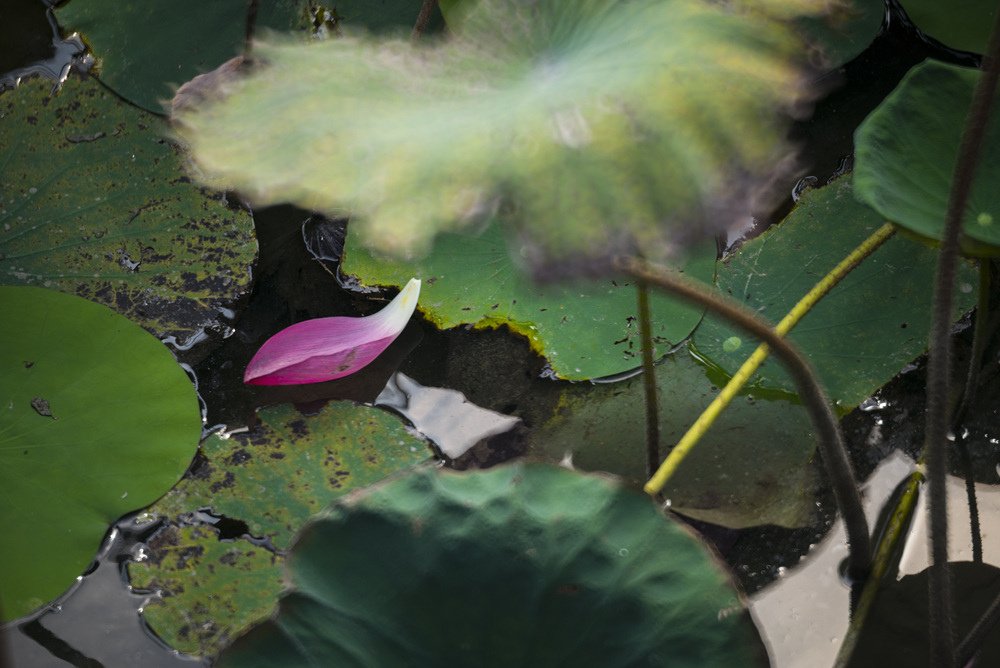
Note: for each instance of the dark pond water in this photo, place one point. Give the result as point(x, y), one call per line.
point(98, 622)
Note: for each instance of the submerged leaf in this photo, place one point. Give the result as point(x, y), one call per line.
point(325, 349)
point(591, 125)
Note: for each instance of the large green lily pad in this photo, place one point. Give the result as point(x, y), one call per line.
point(864, 331)
point(906, 154)
point(96, 419)
point(209, 590)
point(586, 329)
point(286, 468)
point(960, 24)
point(753, 467)
point(520, 565)
point(94, 202)
point(517, 107)
point(845, 32)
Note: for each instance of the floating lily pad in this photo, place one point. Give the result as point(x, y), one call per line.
point(96, 419)
point(298, 464)
point(864, 331)
point(960, 24)
point(753, 467)
point(586, 329)
point(94, 202)
point(908, 180)
point(845, 32)
point(518, 106)
point(517, 565)
point(207, 590)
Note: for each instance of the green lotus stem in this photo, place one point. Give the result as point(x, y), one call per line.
point(742, 376)
point(423, 18)
point(888, 548)
point(831, 440)
point(648, 380)
point(939, 364)
point(980, 335)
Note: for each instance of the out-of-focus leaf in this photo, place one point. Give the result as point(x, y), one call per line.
point(860, 335)
point(753, 467)
point(519, 565)
point(906, 154)
point(585, 328)
point(844, 33)
point(93, 202)
point(96, 419)
point(595, 125)
point(322, 349)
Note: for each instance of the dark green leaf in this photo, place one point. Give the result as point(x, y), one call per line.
point(96, 419)
point(906, 154)
point(960, 24)
point(95, 203)
point(518, 565)
point(864, 331)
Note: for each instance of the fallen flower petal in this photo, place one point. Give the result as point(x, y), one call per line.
point(314, 351)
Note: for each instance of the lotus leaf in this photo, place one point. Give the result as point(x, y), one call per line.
point(593, 124)
point(299, 463)
point(575, 570)
point(960, 24)
point(206, 590)
point(847, 31)
point(134, 234)
point(585, 329)
point(753, 467)
point(906, 154)
point(96, 419)
point(864, 331)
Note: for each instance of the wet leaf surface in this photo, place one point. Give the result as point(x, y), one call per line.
point(209, 590)
point(96, 419)
point(753, 467)
point(906, 154)
point(864, 331)
point(95, 203)
point(586, 329)
point(394, 576)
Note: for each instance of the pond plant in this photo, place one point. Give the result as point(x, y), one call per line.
point(558, 170)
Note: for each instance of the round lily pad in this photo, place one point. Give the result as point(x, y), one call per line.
point(863, 331)
point(518, 565)
point(843, 33)
point(95, 202)
point(906, 154)
point(96, 419)
point(585, 329)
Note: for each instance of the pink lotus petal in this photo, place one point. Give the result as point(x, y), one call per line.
point(314, 351)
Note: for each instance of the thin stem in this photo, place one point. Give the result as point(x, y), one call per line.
point(979, 633)
point(831, 441)
point(980, 335)
point(939, 361)
point(423, 18)
point(708, 417)
point(970, 494)
point(648, 380)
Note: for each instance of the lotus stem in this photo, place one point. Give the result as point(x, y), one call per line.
point(971, 644)
point(423, 18)
point(648, 380)
point(888, 548)
point(708, 417)
point(811, 393)
point(939, 364)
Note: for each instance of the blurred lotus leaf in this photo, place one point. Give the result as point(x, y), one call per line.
point(594, 125)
